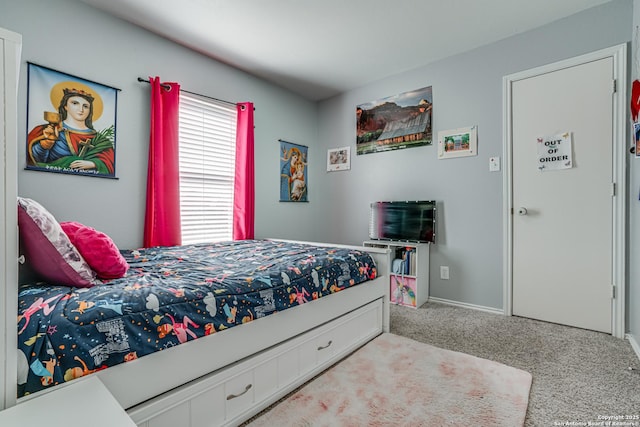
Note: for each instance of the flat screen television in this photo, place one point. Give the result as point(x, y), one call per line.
point(408, 221)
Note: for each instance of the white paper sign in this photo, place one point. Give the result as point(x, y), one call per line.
point(554, 152)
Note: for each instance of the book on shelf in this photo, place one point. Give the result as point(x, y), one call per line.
point(411, 261)
point(406, 262)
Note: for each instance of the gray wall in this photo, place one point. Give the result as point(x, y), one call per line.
point(70, 36)
point(467, 90)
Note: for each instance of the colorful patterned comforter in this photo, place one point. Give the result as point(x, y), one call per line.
point(168, 297)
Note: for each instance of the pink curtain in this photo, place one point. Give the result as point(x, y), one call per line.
point(162, 217)
point(244, 186)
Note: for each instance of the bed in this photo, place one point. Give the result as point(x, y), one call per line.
point(230, 326)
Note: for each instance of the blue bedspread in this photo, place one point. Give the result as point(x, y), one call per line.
point(168, 297)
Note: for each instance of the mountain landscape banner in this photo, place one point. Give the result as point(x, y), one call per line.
point(396, 122)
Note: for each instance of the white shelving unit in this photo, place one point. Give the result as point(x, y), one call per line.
point(409, 271)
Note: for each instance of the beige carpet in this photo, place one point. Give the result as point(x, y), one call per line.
point(396, 381)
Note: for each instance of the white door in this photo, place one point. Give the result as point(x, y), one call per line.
point(562, 241)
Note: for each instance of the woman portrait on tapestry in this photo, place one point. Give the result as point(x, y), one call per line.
point(292, 175)
point(297, 182)
point(69, 142)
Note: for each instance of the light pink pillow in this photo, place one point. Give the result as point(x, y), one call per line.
point(97, 249)
point(48, 249)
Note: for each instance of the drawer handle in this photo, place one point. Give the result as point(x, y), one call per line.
point(322, 347)
point(233, 396)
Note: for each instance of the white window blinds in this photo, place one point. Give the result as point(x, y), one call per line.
point(207, 134)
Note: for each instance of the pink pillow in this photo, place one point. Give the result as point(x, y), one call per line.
point(98, 249)
point(48, 250)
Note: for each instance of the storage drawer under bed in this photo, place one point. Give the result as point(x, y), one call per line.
point(233, 394)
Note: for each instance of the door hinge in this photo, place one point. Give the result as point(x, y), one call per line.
point(613, 189)
point(615, 85)
point(613, 291)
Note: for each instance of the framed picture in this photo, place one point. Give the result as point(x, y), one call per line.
point(396, 122)
point(293, 172)
point(458, 143)
point(71, 124)
point(339, 159)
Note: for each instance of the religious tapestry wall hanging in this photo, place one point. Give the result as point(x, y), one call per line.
point(71, 124)
point(396, 122)
point(293, 172)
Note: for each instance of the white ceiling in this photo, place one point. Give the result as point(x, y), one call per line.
point(319, 48)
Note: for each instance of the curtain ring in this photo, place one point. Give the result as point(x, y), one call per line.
point(243, 107)
point(167, 88)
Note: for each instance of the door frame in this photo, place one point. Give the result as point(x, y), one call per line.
point(618, 249)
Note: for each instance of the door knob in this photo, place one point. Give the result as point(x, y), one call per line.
point(522, 211)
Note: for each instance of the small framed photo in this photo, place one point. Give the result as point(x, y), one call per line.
point(338, 159)
point(460, 142)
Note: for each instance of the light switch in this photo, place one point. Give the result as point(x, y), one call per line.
point(494, 164)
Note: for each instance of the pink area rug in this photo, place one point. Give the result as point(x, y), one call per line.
point(396, 381)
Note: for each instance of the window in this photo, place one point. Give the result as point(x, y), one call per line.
point(207, 134)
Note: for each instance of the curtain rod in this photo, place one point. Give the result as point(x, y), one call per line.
point(167, 87)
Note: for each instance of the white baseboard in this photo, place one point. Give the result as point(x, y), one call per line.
point(634, 344)
point(466, 305)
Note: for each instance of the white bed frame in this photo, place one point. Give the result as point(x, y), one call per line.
point(10, 48)
point(220, 379)
point(229, 376)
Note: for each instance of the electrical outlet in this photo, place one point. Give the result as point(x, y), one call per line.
point(444, 272)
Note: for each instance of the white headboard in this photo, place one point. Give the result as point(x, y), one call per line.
point(10, 49)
